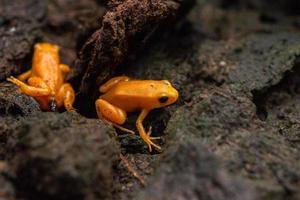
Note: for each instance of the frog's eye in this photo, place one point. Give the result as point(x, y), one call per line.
point(163, 99)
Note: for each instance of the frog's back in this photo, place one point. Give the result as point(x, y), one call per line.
point(45, 64)
point(136, 94)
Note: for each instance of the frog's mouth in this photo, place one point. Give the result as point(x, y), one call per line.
point(52, 105)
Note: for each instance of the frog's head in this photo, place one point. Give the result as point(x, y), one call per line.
point(167, 94)
point(47, 47)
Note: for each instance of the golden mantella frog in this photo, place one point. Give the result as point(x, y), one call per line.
point(122, 95)
point(45, 80)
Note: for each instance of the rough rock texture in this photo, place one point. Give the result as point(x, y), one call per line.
point(226, 123)
point(6, 189)
point(189, 171)
point(234, 130)
point(13, 106)
point(125, 25)
point(291, 7)
point(275, 54)
point(278, 105)
point(70, 157)
point(19, 26)
point(68, 23)
point(12, 102)
point(240, 95)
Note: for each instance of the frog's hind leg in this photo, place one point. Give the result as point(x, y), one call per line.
point(24, 76)
point(66, 97)
point(112, 114)
point(112, 82)
point(36, 86)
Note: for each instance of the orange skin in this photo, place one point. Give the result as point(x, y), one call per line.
point(122, 95)
point(45, 80)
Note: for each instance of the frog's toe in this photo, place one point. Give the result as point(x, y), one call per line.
point(72, 110)
point(149, 131)
point(149, 147)
point(15, 81)
point(150, 144)
point(12, 80)
point(149, 139)
point(155, 138)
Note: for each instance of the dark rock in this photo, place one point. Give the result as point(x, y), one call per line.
point(224, 120)
point(123, 27)
point(264, 158)
point(278, 105)
point(13, 106)
point(67, 155)
point(188, 171)
point(31, 9)
point(289, 7)
point(255, 62)
point(6, 189)
point(213, 112)
point(13, 102)
point(234, 62)
point(19, 30)
point(69, 23)
point(264, 59)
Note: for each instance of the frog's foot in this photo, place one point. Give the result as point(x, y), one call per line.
point(148, 140)
point(15, 81)
point(66, 96)
point(71, 109)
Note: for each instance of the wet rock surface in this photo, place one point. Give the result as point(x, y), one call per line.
point(233, 134)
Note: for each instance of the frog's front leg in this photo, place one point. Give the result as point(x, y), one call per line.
point(64, 68)
point(146, 136)
point(112, 114)
point(66, 97)
point(38, 89)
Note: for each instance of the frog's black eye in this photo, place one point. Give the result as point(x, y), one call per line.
point(163, 99)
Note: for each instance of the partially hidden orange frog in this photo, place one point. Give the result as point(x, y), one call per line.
point(45, 80)
point(122, 95)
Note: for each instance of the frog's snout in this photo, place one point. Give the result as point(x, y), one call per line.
point(52, 105)
point(173, 95)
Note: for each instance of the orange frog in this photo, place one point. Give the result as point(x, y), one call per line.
point(122, 95)
point(46, 79)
